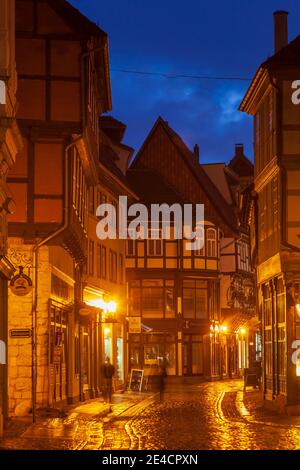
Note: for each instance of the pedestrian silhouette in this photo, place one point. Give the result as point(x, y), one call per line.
point(162, 376)
point(108, 373)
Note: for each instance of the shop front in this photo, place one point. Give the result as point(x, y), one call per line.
point(58, 353)
point(101, 340)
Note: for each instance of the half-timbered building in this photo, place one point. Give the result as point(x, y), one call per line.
point(275, 242)
point(175, 291)
point(64, 86)
point(240, 335)
point(10, 144)
point(105, 293)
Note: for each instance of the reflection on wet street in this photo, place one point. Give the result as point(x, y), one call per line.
point(190, 417)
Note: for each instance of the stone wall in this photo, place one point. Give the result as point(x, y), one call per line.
point(20, 316)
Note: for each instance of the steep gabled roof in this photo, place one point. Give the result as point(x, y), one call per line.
point(112, 127)
point(285, 58)
point(84, 27)
point(216, 172)
point(142, 181)
point(216, 199)
point(75, 18)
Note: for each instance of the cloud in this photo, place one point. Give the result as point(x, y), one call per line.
point(229, 103)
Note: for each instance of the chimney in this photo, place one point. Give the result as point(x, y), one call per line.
point(239, 150)
point(280, 29)
point(196, 153)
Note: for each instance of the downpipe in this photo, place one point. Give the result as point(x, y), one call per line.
point(35, 257)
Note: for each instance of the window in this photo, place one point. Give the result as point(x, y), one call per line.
point(99, 261)
point(270, 112)
point(103, 198)
point(200, 251)
point(135, 298)
point(121, 269)
point(268, 352)
point(91, 258)
point(80, 191)
point(93, 99)
point(130, 247)
point(242, 252)
point(103, 263)
point(113, 266)
point(267, 305)
point(280, 301)
point(281, 352)
point(154, 245)
point(152, 298)
point(98, 198)
point(211, 247)
point(195, 299)
point(169, 299)
point(91, 201)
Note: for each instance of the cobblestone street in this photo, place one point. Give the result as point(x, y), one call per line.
point(190, 417)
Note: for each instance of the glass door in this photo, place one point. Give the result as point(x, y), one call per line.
point(192, 355)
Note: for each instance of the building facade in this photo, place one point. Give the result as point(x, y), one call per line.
point(240, 338)
point(10, 144)
point(174, 293)
point(105, 293)
point(275, 240)
point(63, 77)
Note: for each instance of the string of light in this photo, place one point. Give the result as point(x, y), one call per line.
point(183, 76)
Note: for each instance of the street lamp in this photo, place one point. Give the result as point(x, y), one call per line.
point(111, 306)
point(106, 307)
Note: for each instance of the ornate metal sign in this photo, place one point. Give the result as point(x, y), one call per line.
point(21, 284)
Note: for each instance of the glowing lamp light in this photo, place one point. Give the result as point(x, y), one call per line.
point(112, 306)
point(98, 303)
point(297, 308)
point(106, 331)
point(243, 331)
point(224, 328)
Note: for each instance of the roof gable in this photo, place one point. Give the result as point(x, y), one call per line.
point(286, 58)
point(74, 18)
point(168, 151)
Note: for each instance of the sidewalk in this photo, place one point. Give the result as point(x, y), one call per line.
point(74, 425)
point(251, 407)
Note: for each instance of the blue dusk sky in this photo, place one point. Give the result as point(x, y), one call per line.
point(193, 37)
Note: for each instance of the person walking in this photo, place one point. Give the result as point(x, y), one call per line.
point(162, 376)
point(108, 373)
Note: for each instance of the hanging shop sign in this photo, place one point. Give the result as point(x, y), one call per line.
point(135, 325)
point(21, 284)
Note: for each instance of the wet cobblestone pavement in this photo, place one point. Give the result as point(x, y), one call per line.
point(190, 417)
